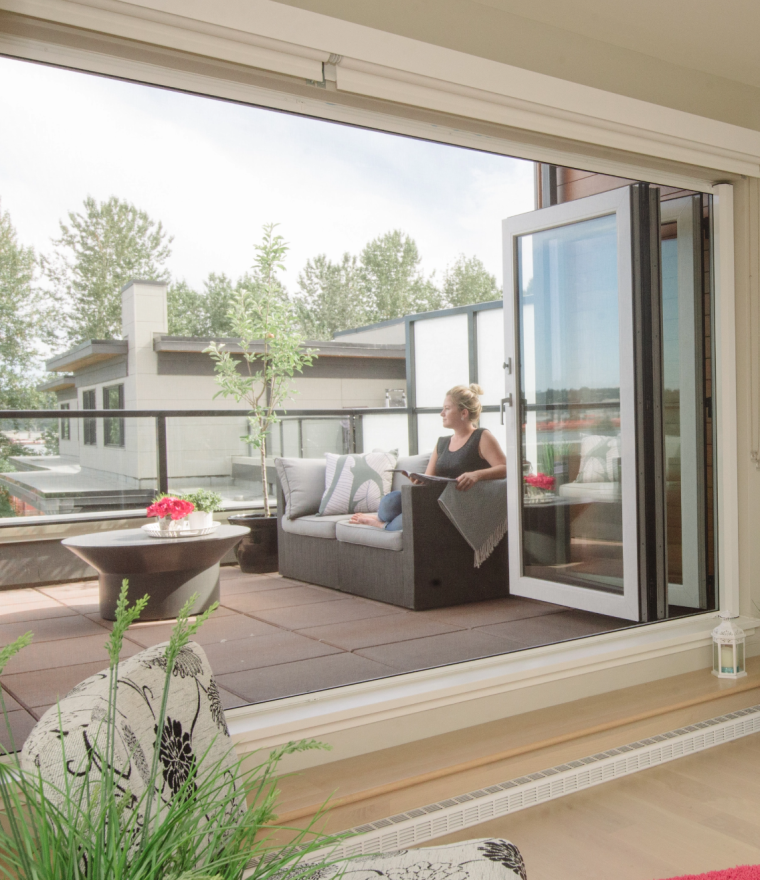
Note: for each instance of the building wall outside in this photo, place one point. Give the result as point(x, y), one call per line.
point(199, 449)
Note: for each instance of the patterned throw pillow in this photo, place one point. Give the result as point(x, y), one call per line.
point(355, 483)
point(598, 459)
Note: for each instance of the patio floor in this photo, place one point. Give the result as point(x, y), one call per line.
point(272, 637)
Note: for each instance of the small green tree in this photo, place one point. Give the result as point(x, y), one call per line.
point(468, 281)
point(271, 343)
point(98, 252)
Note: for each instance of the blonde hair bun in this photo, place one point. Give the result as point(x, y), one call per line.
point(467, 397)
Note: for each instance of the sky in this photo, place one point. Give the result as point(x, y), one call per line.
point(214, 172)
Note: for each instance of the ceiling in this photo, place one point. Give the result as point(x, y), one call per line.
point(699, 56)
point(718, 38)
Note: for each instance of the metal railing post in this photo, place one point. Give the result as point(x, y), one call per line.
point(161, 454)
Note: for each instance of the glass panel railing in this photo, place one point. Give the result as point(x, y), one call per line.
point(209, 452)
point(63, 471)
point(68, 476)
point(385, 431)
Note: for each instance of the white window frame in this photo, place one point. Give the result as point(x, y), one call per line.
point(472, 102)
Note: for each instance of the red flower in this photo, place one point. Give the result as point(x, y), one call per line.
point(540, 481)
point(176, 508)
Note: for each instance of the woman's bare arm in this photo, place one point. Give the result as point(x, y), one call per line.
point(489, 450)
point(430, 469)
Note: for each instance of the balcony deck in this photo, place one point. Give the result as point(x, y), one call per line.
point(272, 637)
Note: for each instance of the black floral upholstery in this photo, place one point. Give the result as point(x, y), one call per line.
point(194, 725)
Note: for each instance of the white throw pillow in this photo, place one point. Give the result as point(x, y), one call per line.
point(598, 454)
point(356, 483)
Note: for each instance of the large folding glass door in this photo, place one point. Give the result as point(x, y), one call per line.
point(571, 444)
point(607, 349)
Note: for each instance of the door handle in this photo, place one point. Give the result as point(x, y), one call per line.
point(505, 401)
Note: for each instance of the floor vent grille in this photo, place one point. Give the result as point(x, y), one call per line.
point(435, 820)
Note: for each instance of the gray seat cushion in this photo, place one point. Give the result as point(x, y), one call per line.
point(592, 492)
point(412, 464)
point(314, 526)
point(303, 484)
point(369, 536)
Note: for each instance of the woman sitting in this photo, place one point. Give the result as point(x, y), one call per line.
point(471, 455)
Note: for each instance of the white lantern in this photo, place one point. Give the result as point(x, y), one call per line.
point(728, 649)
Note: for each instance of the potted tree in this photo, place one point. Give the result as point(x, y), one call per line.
point(270, 353)
point(78, 811)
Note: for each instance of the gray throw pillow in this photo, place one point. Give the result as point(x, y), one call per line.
point(303, 483)
point(412, 464)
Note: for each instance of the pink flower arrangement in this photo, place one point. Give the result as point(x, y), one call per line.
point(170, 508)
point(540, 481)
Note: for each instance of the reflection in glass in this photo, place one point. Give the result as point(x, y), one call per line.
point(570, 390)
point(682, 409)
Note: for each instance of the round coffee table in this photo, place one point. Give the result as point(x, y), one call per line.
point(169, 570)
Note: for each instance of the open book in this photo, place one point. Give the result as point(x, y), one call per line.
point(424, 478)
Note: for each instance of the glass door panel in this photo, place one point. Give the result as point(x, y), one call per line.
point(682, 402)
point(571, 443)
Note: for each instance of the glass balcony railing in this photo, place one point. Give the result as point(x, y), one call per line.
point(97, 464)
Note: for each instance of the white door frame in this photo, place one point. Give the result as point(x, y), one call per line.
point(627, 605)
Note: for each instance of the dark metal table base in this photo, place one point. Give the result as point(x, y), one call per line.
point(168, 591)
point(169, 570)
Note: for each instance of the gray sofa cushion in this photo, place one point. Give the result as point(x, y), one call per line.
point(314, 526)
point(368, 536)
point(412, 464)
point(303, 483)
point(592, 492)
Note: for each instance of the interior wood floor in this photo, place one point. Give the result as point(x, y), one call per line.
point(390, 781)
point(694, 815)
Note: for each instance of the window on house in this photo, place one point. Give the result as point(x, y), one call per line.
point(89, 426)
point(65, 424)
point(113, 429)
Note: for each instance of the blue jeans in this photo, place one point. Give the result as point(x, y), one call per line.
point(389, 511)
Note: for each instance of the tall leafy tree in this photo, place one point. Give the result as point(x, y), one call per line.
point(24, 322)
point(207, 313)
point(99, 250)
point(330, 296)
point(468, 281)
point(392, 280)
point(186, 310)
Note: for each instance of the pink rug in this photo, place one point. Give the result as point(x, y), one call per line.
point(743, 872)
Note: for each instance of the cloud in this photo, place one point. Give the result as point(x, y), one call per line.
point(215, 172)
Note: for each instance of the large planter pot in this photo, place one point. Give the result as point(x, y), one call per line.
point(257, 552)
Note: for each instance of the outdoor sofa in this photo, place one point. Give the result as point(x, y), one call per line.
point(426, 565)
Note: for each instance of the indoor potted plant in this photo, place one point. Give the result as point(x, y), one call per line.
point(96, 828)
point(271, 351)
point(206, 503)
point(170, 511)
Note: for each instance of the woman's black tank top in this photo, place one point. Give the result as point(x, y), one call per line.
point(464, 460)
